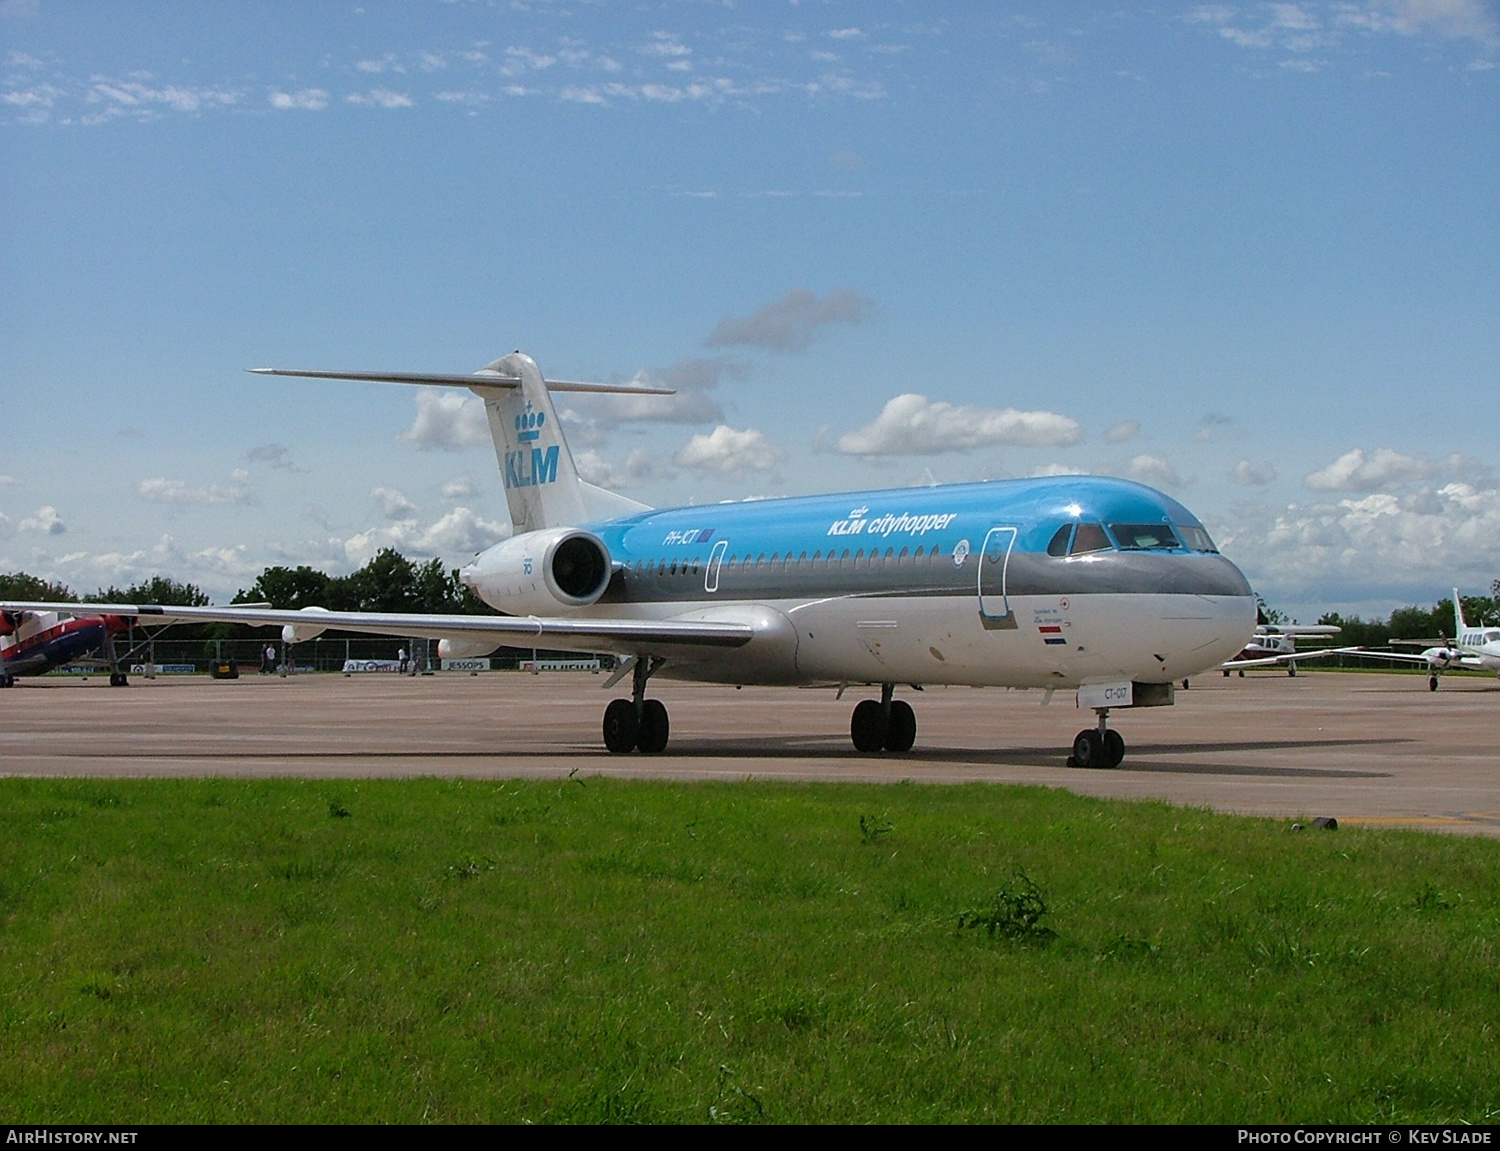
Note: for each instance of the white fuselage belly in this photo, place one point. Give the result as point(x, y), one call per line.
point(943, 640)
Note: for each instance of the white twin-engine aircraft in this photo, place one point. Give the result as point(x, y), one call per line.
point(1067, 582)
point(1475, 649)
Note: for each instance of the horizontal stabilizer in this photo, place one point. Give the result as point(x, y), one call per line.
point(477, 380)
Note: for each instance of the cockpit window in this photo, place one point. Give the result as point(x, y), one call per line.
point(1196, 538)
point(1059, 544)
point(1144, 537)
point(1089, 538)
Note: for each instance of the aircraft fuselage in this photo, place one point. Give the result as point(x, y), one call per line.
point(959, 584)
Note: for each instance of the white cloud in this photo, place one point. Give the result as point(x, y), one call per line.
point(793, 322)
point(161, 490)
point(1454, 19)
point(1153, 470)
point(641, 467)
point(456, 535)
point(134, 97)
point(393, 504)
point(1059, 470)
point(1249, 474)
point(665, 44)
point(1408, 547)
point(911, 425)
point(691, 380)
point(307, 99)
point(1124, 430)
point(380, 98)
point(385, 63)
point(461, 533)
point(37, 97)
point(729, 452)
point(447, 420)
point(6, 480)
point(1301, 28)
point(44, 520)
point(1381, 469)
point(460, 488)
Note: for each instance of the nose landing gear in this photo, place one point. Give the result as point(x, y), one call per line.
point(1100, 746)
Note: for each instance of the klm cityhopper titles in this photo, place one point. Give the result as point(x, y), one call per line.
point(1076, 583)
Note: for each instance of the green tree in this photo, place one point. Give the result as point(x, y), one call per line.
point(387, 583)
point(20, 586)
point(158, 589)
point(289, 588)
point(1357, 632)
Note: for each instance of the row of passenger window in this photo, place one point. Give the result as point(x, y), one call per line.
point(832, 559)
point(1080, 539)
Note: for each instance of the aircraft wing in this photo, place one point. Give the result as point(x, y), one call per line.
point(1297, 629)
point(566, 633)
point(1463, 660)
point(1288, 657)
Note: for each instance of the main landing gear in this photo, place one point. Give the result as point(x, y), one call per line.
point(117, 678)
point(1100, 746)
point(1432, 683)
point(638, 722)
point(887, 725)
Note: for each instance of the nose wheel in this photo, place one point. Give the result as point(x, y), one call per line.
point(1100, 746)
point(883, 725)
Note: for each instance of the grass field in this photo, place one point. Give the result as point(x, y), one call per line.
point(597, 950)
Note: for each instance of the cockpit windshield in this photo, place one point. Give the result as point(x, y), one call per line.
point(1196, 538)
point(1144, 537)
point(1089, 538)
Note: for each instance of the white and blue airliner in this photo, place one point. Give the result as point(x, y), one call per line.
point(1083, 584)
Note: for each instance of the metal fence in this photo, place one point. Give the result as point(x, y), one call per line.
point(180, 656)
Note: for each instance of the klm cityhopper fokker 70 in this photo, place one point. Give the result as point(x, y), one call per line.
point(1068, 582)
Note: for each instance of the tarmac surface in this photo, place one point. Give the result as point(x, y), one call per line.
point(1367, 749)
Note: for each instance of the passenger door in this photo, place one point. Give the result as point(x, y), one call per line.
point(994, 563)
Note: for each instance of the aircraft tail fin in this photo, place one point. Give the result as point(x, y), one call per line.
point(1458, 617)
point(542, 486)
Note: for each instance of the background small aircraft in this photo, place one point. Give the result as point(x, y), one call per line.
point(1476, 648)
point(35, 642)
point(1275, 645)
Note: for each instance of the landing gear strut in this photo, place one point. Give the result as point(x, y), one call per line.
point(637, 722)
point(117, 678)
point(889, 725)
point(1100, 746)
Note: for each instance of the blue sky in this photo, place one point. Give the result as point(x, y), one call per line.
point(1247, 253)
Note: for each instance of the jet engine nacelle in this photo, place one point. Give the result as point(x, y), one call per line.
point(297, 632)
point(466, 648)
point(538, 572)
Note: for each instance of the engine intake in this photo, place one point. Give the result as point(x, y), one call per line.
point(539, 572)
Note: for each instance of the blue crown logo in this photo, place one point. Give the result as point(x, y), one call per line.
point(529, 425)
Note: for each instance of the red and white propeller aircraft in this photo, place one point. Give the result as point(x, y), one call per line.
point(35, 642)
point(1275, 645)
